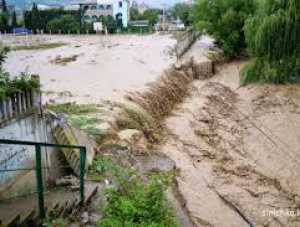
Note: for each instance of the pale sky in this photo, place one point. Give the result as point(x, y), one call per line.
point(159, 3)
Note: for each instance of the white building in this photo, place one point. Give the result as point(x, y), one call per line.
point(93, 10)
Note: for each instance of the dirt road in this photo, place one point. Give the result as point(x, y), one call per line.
point(238, 152)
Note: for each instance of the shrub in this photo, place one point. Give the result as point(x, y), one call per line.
point(23, 82)
point(273, 37)
point(3, 52)
point(9, 86)
point(224, 19)
point(133, 202)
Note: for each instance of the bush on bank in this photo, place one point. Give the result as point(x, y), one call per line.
point(132, 201)
point(23, 82)
point(9, 86)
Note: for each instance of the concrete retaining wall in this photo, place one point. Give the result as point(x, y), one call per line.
point(65, 134)
point(185, 42)
point(30, 128)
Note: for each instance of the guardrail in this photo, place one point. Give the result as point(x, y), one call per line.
point(38, 167)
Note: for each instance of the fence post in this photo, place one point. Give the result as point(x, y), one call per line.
point(82, 172)
point(39, 178)
point(23, 97)
point(9, 107)
point(1, 110)
point(19, 103)
point(27, 98)
point(4, 109)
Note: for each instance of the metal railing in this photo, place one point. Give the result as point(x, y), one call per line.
point(38, 167)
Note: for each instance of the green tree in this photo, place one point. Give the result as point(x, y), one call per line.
point(4, 22)
point(14, 22)
point(182, 11)
point(151, 15)
point(35, 18)
point(28, 19)
point(110, 23)
point(134, 14)
point(46, 16)
point(224, 19)
point(4, 6)
point(273, 38)
point(65, 24)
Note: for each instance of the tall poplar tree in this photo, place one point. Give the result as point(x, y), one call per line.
point(4, 6)
point(14, 22)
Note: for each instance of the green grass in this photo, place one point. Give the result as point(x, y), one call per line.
point(42, 46)
point(73, 108)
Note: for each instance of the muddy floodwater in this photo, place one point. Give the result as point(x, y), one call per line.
point(90, 68)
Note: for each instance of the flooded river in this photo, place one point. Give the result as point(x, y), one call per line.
point(103, 67)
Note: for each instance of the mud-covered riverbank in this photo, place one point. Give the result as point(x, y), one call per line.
point(237, 149)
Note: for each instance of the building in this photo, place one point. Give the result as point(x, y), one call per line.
point(93, 10)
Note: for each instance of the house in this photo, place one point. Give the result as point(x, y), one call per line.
point(93, 10)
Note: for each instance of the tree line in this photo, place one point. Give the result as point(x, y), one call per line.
point(59, 20)
point(8, 20)
point(267, 31)
point(52, 20)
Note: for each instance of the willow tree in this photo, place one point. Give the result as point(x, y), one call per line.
point(273, 39)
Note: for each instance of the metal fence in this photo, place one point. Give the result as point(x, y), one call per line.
point(38, 168)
